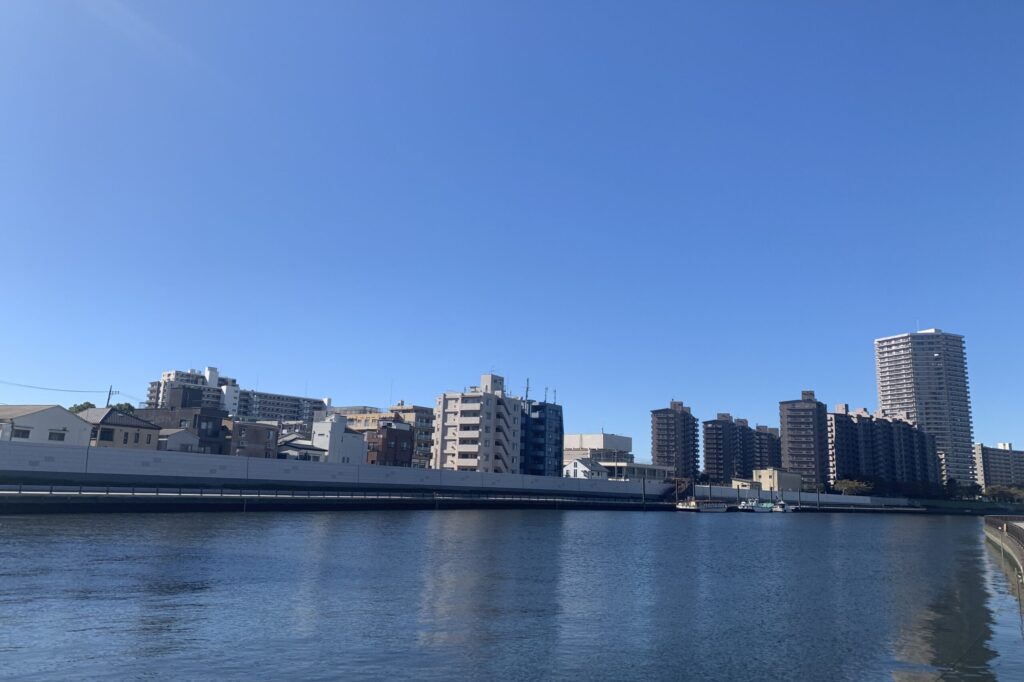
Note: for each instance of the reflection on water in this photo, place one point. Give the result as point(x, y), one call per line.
point(505, 596)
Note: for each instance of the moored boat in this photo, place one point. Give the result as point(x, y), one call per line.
point(781, 506)
point(712, 506)
point(756, 506)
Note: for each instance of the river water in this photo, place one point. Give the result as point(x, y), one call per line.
point(504, 595)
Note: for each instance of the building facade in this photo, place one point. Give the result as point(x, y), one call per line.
point(674, 439)
point(543, 438)
point(607, 447)
point(1001, 465)
point(478, 429)
point(422, 420)
point(881, 448)
point(114, 429)
point(209, 389)
point(773, 479)
point(391, 444)
point(48, 424)
point(730, 449)
point(207, 423)
point(804, 439)
point(924, 375)
point(253, 439)
point(767, 448)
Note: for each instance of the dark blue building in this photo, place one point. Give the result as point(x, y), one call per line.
point(542, 439)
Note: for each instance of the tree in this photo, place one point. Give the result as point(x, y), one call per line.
point(851, 487)
point(81, 407)
point(970, 491)
point(952, 489)
point(127, 408)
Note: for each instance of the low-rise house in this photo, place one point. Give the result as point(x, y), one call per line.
point(114, 429)
point(49, 424)
point(584, 468)
point(294, 446)
point(254, 439)
point(178, 440)
point(205, 422)
point(331, 442)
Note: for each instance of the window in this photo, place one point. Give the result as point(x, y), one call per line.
point(149, 438)
point(107, 435)
point(57, 435)
point(124, 441)
point(20, 433)
point(136, 437)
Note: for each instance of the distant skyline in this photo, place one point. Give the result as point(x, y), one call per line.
point(720, 203)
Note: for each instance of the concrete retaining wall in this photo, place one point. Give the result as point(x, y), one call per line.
point(23, 462)
point(802, 498)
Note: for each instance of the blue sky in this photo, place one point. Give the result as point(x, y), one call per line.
point(719, 202)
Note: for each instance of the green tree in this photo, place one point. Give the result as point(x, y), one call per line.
point(952, 489)
point(851, 487)
point(81, 407)
point(127, 408)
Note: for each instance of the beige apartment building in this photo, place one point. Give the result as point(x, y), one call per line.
point(478, 429)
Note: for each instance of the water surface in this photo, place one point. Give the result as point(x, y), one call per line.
point(504, 595)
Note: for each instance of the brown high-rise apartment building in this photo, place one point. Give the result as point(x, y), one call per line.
point(804, 427)
point(674, 439)
point(730, 449)
point(885, 449)
point(767, 448)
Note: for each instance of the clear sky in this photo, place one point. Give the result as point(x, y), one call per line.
point(720, 202)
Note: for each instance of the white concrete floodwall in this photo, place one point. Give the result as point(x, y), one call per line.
point(68, 463)
point(795, 497)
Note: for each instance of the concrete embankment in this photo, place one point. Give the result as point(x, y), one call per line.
point(1007, 533)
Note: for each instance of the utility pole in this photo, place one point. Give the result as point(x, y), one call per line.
point(110, 392)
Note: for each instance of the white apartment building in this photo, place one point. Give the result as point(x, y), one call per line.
point(478, 429)
point(924, 375)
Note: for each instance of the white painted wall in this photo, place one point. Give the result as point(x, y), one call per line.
point(57, 420)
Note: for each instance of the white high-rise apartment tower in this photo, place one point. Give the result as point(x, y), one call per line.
point(478, 429)
point(924, 375)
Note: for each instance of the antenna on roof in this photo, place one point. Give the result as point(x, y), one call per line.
point(555, 399)
point(545, 394)
point(527, 396)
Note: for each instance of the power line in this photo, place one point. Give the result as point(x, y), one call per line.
point(46, 388)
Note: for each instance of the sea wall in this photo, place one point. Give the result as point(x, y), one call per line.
point(68, 464)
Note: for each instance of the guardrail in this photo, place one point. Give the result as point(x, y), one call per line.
point(1010, 527)
point(303, 495)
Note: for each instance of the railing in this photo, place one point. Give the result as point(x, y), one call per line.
point(1010, 527)
point(305, 495)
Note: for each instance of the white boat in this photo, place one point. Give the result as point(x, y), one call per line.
point(756, 506)
point(712, 506)
point(781, 506)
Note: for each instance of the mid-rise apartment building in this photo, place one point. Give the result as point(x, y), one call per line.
point(209, 389)
point(804, 438)
point(478, 429)
point(924, 375)
point(674, 439)
point(543, 438)
point(1001, 465)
